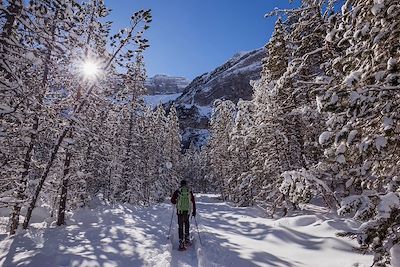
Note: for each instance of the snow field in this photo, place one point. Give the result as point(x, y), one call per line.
point(155, 100)
point(123, 235)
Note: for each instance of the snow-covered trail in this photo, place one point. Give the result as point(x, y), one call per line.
point(124, 235)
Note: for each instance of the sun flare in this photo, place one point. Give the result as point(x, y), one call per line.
point(90, 69)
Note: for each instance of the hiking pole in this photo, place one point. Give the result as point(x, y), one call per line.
point(198, 232)
point(170, 224)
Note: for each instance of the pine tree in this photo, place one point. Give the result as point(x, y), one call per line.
point(286, 108)
point(134, 82)
point(275, 64)
point(242, 143)
point(173, 149)
point(222, 122)
point(362, 135)
point(158, 177)
point(297, 85)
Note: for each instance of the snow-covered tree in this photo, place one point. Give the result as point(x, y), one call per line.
point(242, 142)
point(222, 123)
point(34, 71)
point(275, 63)
point(362, 134)
point(172, 149)
point(287, 117)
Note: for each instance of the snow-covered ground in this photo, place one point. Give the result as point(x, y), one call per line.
point(155, 100)
point(124, 235)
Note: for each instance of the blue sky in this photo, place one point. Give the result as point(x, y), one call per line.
point(190, 37)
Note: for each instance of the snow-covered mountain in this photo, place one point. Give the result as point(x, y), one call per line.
point(162, 84)
point(230, 81)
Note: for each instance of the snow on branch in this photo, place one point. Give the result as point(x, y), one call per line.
point(302, 185)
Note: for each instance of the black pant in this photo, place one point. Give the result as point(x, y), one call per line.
point(183, 221)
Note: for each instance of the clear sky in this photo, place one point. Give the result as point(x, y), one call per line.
point(190, 37)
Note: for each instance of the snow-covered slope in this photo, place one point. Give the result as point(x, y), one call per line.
point(155, 100)
point(162, 84)
point(228, 81)
point(123, 235)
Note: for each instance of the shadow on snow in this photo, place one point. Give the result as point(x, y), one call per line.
point(117, 237)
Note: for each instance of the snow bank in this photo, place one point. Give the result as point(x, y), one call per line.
point(324, 137)
point(395, 253)
point(243, 237)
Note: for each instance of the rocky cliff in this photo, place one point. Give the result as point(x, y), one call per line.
point(163, 85)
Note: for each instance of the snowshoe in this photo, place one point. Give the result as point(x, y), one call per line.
point(188, 242)
point(181, 246)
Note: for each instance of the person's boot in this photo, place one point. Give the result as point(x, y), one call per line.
point(187, 240)
point(181, 245)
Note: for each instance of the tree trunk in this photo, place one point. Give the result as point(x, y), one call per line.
point(43, 178)
point(63, 200)
point(20, 192)
point(64, 187)
point(126, 164)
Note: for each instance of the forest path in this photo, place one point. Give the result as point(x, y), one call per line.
point(124, 235)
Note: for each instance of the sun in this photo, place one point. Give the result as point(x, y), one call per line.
point(90, 69)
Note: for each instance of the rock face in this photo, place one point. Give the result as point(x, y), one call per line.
point(230, 81)
point(163, 85)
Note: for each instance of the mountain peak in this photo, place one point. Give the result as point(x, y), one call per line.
point(230, 81)
point(164, 84)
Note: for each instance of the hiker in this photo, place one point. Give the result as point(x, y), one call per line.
point(184, 200)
